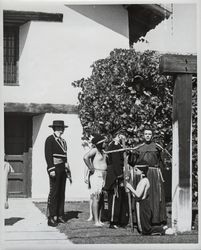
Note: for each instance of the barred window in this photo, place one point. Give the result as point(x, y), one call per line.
point(11, 55)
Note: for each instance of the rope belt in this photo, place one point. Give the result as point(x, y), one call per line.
point(159, 173)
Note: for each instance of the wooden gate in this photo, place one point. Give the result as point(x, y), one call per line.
point(18, 147)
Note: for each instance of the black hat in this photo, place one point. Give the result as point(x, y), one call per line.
point(98, 139)
point(58, 123)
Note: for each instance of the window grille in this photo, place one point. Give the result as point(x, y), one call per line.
point(11, 55)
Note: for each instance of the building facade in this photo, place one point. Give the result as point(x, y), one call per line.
point(46, 48)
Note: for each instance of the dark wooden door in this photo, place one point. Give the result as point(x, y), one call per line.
point(18, 146)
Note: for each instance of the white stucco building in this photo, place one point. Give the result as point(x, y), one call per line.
point(47, 47)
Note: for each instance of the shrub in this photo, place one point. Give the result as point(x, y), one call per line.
point(126, 89)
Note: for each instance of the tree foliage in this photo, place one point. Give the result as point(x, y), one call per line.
point(126, 89)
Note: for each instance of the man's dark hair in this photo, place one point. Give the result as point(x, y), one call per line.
point(100, 147)
point(148, 128)
point(144, 170)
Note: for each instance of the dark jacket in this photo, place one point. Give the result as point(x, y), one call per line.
point(146, 154)
point(115, 166)
point(54, 149)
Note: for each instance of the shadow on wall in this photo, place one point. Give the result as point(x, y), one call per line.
point(24, 30)
point(37, 125)
point(114, 17)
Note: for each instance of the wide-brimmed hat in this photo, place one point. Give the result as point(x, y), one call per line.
point(58, 123)
point(97, 139)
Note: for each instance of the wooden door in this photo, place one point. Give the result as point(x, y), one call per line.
point(18, 145)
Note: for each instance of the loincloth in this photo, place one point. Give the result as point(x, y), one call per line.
point(97, 181)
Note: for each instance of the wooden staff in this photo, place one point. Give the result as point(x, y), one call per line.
point(119, 150)
point(130, 149)
point(126, 174)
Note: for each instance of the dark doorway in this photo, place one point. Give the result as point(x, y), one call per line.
point(18, 150)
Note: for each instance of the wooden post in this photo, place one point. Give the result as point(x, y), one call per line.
point(182, 67)
point(126, 173)
point(2, 188)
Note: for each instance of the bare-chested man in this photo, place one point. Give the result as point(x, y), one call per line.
point(95, 160)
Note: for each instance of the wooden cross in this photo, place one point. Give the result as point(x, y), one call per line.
point(181, 67)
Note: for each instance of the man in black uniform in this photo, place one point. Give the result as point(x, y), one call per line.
point(58, 170)
point(117, 198)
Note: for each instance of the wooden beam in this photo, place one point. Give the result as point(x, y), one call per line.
point(182, 151)
point(2, 187)
point(182, 67)
point(184, 116)
point(174, 64)
point(159, 10)
point(21, 17)
point(34, 108)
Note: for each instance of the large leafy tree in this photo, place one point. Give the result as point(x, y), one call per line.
point(126, 89)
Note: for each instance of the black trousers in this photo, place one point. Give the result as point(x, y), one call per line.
point(118, 207)
point(56, 198)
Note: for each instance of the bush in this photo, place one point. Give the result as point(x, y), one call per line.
point(126, 89)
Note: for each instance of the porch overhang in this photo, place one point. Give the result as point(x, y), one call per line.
point(17, 18)
point(143, 18)
point(35, 108)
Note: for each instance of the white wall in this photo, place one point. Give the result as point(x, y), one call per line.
point(53, 55)
point(40, 181)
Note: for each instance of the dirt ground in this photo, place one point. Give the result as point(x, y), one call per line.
point(80, 231)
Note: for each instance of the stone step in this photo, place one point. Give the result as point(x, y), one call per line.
point(26, 228)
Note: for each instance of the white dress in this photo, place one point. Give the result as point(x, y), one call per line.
point(7, 169)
